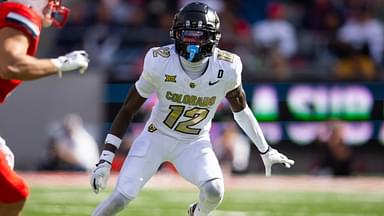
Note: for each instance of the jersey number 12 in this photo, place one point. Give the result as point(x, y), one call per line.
point(195, 114)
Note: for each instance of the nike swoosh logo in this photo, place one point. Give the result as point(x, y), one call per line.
point(213, 83)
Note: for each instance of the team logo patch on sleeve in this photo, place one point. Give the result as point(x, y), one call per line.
point(152, 128)
point(21, 20)
point(170, 78)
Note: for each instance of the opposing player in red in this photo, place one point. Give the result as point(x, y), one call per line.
point(21, 22)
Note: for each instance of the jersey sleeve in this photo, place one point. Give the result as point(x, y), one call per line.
point(24, 19)
point(235, 76)
point(144, 88)
point(147, 81)
point(20, 17)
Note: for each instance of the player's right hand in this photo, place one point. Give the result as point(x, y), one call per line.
point(75, 60)
point(100, 175)
point(6, 151)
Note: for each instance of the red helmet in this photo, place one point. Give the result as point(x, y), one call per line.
point(59, 14)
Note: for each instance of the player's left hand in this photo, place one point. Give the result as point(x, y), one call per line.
point(100, 175)
point(9, 156)
point(272, 156)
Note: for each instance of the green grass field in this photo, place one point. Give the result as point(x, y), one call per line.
point(80, 201)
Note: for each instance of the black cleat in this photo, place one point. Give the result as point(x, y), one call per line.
point(191, 209)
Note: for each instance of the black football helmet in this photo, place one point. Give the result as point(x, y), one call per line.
point(195, 31)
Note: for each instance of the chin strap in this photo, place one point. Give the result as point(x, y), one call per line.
point(193, 50)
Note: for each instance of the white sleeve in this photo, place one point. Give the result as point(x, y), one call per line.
point(247, 121)
point(237, 68)
point(146, 83)
point(144, 87)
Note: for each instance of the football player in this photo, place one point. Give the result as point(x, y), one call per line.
point(21, 22)
point(190, 78)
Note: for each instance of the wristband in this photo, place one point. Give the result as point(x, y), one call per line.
point(113, 140)
point(58, 64)
point(263, 153)
point(107, 156)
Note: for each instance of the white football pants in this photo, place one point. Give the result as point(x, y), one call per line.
point(194, 160)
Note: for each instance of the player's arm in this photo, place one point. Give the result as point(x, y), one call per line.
point(16, 64)
point(246, 120)
point(244, 117)
point(131, 105)
point(136, 97)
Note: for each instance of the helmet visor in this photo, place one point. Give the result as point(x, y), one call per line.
point(192, 36)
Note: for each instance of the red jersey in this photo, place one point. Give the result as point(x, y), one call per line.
point(26, 20)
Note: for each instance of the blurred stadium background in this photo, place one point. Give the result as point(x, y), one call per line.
point(313, 74)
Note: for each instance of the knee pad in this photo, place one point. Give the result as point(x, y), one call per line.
point(213, 190)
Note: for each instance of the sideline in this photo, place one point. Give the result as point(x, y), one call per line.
point(247, 182)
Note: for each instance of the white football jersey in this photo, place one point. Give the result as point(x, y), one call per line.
point(186, 106)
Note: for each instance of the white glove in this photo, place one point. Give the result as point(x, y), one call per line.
point(100, 175)
point(75, 60)
point(9, 156)
point(272, 156)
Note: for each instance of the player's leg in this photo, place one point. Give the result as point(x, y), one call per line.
point(13, 190)
point(12, 209)
point(112, 205)
point(198, 164)
point(211, 195)
point(144, 158)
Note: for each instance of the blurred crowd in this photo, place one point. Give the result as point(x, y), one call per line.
point(291, 40)
point(70, 146)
